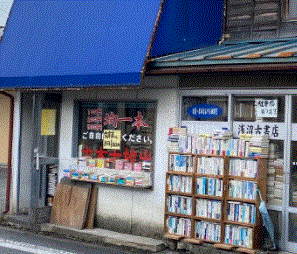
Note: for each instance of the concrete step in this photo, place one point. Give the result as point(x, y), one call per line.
point(107, 237)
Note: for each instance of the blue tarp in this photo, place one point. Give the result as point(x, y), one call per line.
point(73, 43)
point(188, 24)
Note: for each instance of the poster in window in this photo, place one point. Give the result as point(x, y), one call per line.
point(118, 135)
point(48, 122)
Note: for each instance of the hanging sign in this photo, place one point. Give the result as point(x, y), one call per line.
point(205, 111)
point(48, 122)
point(112, 139)
point(266, 108)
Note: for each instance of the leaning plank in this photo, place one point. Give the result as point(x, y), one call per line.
point(60, 204)
point(92, 207)
point(78, 206)
point(56, 204)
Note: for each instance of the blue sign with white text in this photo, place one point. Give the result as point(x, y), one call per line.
point(205, 111)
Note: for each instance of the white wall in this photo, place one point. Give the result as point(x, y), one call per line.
point(128, 210)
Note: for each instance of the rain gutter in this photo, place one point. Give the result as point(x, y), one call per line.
point(222, 68)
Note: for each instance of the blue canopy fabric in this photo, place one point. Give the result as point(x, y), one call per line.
point(76, 43)
point(186, 25)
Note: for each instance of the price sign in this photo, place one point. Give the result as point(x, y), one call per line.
point(112, 139)
point(266, 108)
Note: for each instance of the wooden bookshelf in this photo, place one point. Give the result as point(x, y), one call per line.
point(218, 204)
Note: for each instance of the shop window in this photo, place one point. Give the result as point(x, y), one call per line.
point(276, 218)
point(293, 175)
point(261, 109)
point(291, 10)
point(294, 109)
point(212, 108)
point(275, 173)
point(116, 140)
point(293, 227)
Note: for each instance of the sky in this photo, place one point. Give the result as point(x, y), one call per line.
point(5, 6)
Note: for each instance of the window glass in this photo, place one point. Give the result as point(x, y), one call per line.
point(50, 123)
point(275, 173)
point(293, 175)
point(260, 108)
point(293, 227)
point(294, 109)
point(211, 108)
point(117, 135)
point(292, 9)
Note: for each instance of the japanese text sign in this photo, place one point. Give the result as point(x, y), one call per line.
point(266, 108)
point(112, 139)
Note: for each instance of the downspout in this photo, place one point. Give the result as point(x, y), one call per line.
point(9, 169)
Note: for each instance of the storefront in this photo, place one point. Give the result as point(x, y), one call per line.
point(249, 99)
point(80, 103)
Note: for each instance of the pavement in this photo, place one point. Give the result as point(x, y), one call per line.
point(137, 243)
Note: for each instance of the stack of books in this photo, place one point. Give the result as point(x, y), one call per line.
point(209, 186)
point(294, 198)
point(208, 231)
point(275, 182)
point(179, 183)
point(210, 165)
point(243, 167)
point(209, 208)
point(52, 179)
point(181, 163)
point(241, 212)
point(259, 146)
point(242, 189)
point(179, 141)
point(238, 235)
point(179, 226)
point(179, 204)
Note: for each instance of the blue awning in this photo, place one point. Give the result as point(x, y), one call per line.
point(187, 25)
point(76, 43)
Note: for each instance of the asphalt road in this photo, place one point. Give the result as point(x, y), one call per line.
point(14, 241)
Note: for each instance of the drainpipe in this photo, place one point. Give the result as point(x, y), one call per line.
point(9, 169)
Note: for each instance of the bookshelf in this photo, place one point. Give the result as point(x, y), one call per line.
point(212, 198)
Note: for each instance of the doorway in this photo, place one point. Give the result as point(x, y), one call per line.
point(40, 133)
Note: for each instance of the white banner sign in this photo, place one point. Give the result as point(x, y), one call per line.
point(266, 108)
point(274, 130)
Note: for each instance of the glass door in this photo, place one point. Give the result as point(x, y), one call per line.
point(292, 184)
point(46, 135)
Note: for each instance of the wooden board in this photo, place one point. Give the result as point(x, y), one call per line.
point(173, 237)
point(70, 205)
point(246, 250)
point(193, 241)
point(223, 246)
point(61, 200)
point(92, 208)
point(78, 206)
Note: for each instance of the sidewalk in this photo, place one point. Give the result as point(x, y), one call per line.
point(101, 236)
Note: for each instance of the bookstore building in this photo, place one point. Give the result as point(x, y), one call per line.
point(85, 115)
point(223, 90)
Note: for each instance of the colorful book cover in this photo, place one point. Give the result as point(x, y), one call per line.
point(137, 167)
point(119, 164)
point(128, 166)
point(100, 163)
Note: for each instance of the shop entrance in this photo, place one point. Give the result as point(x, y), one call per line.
point(241, 114)
point(291, 207)
point(39, 153)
